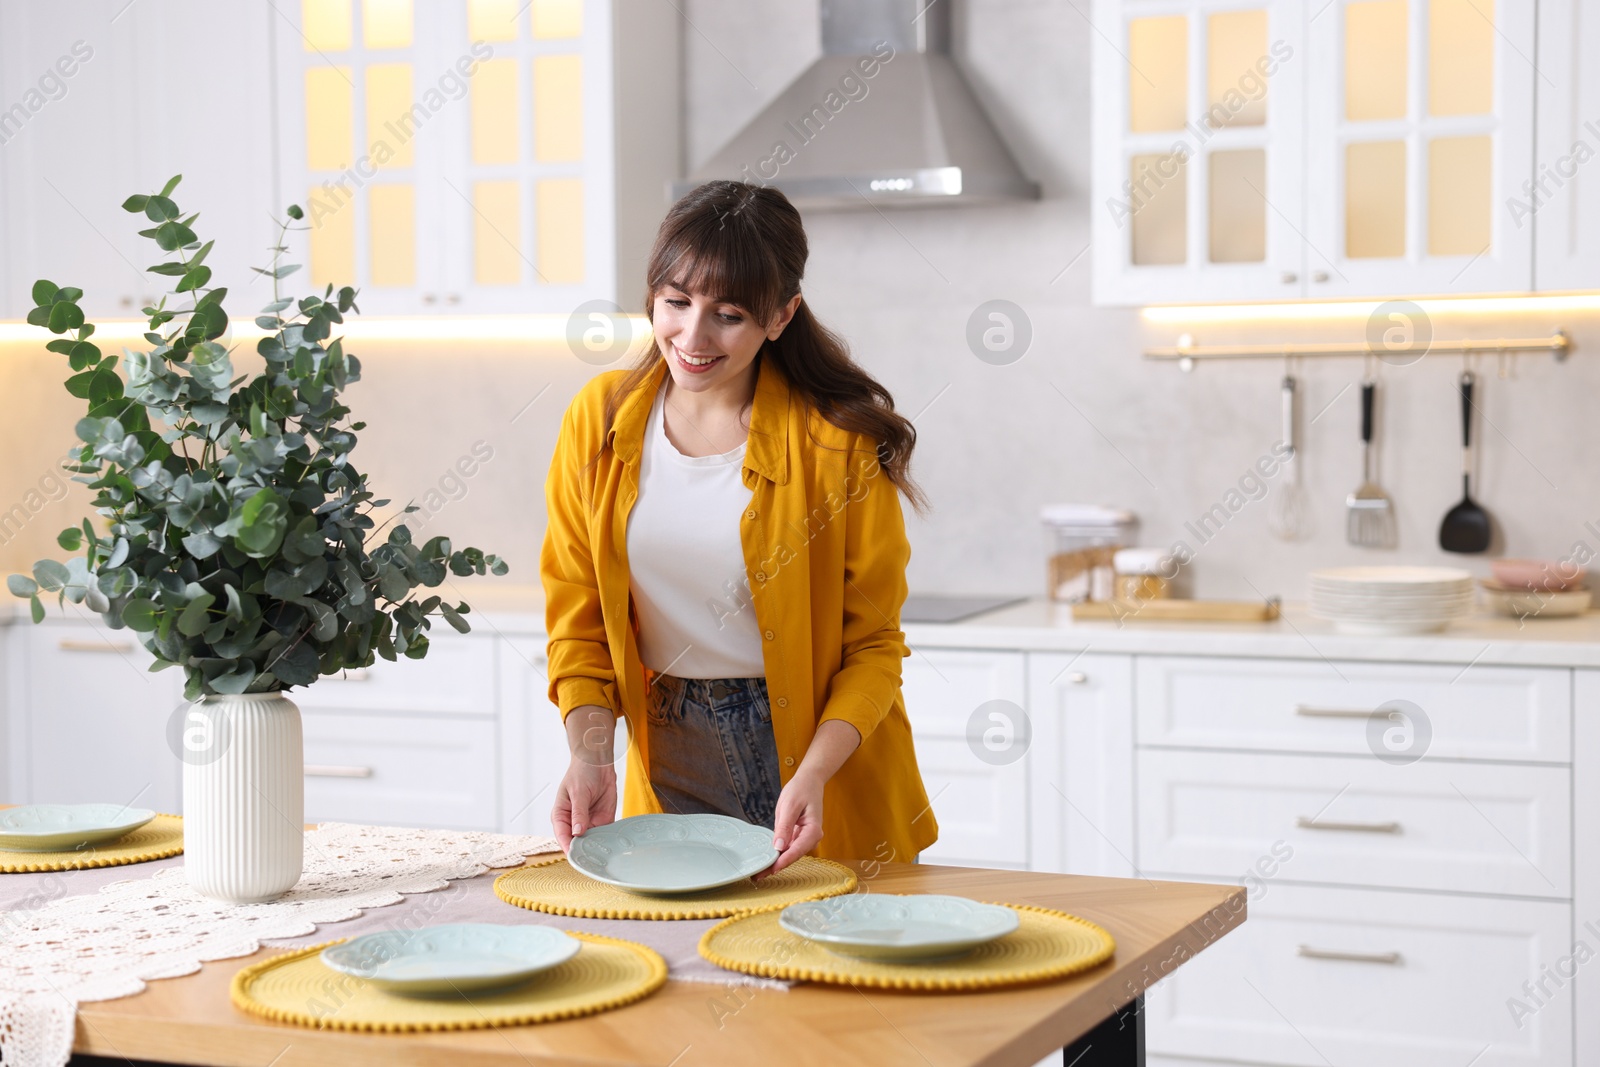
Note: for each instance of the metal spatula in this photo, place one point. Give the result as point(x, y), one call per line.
point(1466, 526)
point(1370, 512)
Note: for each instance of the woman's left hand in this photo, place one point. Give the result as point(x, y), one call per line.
point(797, 823)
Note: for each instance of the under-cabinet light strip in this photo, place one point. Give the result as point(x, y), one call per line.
point(1196, 314)
point(526, 328)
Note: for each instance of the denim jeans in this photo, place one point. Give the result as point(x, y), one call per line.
point(712, 747)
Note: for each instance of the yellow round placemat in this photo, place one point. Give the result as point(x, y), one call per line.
point(155, 840)
point(298, 988)
point(551, 885)
point(1047, 945)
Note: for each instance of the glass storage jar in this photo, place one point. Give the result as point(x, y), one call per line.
point(1083, 540)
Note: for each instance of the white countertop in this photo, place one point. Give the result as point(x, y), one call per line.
point(1042, 626)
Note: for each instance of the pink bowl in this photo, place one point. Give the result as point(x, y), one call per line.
point(1537, 573)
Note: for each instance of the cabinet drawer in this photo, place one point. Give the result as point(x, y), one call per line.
point(1428, 982)
point(457, 677)
point(1477, 712)
point(1468, 827)
point(401, 771)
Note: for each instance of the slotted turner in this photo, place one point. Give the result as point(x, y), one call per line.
point(1369, 511)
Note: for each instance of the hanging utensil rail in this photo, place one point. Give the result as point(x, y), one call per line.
point(1186, 352)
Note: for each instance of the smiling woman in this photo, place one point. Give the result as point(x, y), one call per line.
point(744, 462)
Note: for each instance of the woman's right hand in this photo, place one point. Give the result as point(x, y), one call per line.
point(587, 795)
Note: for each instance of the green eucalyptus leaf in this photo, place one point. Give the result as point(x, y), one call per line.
point(52, 577)
point(159, 209)
point(453, 617)
point(193, 618)
point(70, 539)
point(64, 317)
point(44, 292)
point(21, 585)
point(194, 279)
point(140, 615)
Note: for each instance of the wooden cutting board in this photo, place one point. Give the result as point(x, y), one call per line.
point(1179, 610)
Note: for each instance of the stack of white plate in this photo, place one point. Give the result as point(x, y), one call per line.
point(1390, 600)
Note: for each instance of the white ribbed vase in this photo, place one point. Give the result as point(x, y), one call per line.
point(244, 799)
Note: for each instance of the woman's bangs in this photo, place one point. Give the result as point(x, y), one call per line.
point(723, 264)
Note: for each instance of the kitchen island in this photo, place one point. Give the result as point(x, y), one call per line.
point(1158, 926)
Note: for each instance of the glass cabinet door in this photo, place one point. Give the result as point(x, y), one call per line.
point(1417, 146)
point(451, 157)
point(1198, 168)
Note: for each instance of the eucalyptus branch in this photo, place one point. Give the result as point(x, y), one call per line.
point(259, 530)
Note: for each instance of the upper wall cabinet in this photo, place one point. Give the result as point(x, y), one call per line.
point(452, 156)
point(1283, 150)
point(1419, 129)
point(95, 106)
point(1198, 150)
point(1560, 200)
point(485, 156)
point(491, 156)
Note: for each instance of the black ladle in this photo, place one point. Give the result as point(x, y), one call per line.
point(1465, 527)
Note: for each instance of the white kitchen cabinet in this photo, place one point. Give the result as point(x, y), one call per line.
point(1330, 707)
point(1434, 824)
point(1199, 157)
point(1560, 200)
point(533, 746)
point(973, 739)
point(1586, 857)
point(1419, 129)
point(1080, 764)
point(89, 722)
point(1373, 151)
point(484, 157)
point(1382, 979)
point(401, 770)
point(84, 124)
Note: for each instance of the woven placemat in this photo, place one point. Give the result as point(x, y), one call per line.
point(1047, 945)
point(155, 840)
point(551, 885)
point(298, 988)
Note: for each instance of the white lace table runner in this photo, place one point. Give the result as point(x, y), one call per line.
point(105, 945)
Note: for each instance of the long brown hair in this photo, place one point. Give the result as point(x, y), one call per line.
point(744, 243)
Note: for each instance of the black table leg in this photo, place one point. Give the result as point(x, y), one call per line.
point(1117, 1042)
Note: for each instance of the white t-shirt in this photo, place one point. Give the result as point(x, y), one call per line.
point(685, 562)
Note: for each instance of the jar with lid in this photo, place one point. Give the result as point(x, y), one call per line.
point(1141, 573)
point(1083, 540)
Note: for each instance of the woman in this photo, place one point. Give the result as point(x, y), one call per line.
point(725, 558)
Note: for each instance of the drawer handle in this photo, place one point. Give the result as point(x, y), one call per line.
point(1306, 823)
point(334, 770)
point(1332, 713)
point(1388, 958)
point(68, 644)
point(1076, 677)
point(354, 674)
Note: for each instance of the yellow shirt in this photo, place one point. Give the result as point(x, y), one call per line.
point(825, 556)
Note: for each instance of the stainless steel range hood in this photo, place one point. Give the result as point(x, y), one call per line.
point(883, 118)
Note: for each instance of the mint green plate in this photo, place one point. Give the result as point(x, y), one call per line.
point(898, 929)
point(452, 958)
point(64, 827)
point(673, 853)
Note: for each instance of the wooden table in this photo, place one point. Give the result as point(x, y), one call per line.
point(1158, 926)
